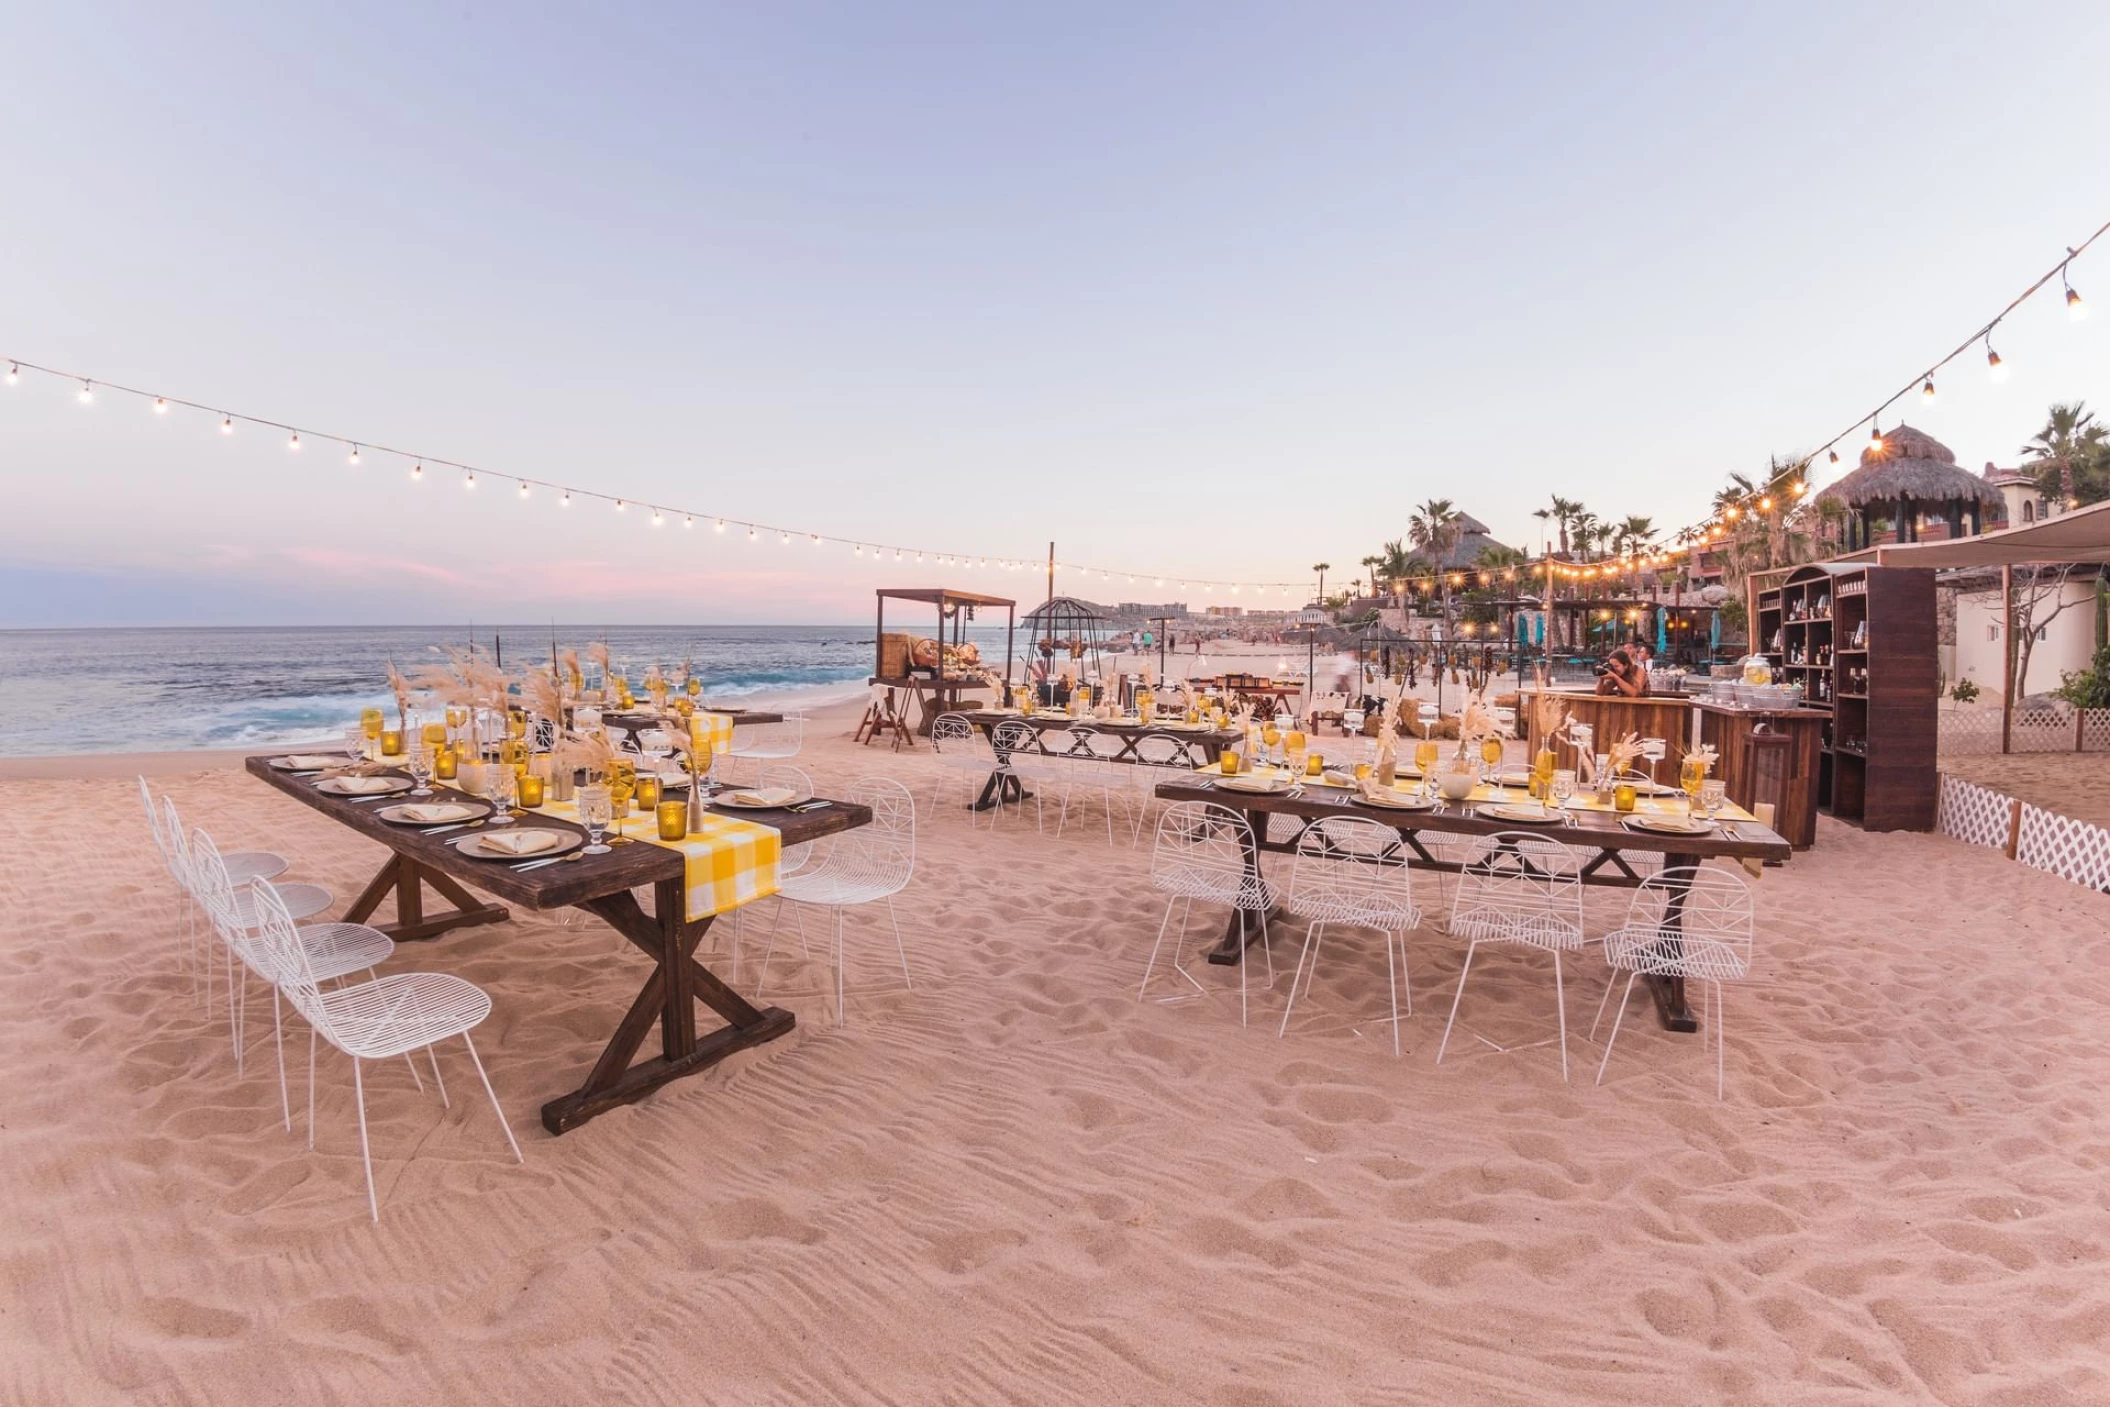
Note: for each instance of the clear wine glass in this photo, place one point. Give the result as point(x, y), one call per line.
point(419, 765)
point(1713, 793)
point(355, 744)
point(595, 813)
point(1562, 787)
point(499, 784)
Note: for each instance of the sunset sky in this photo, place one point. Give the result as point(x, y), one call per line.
point(1195, 290)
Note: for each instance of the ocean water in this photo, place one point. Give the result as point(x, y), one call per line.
point(168, 690)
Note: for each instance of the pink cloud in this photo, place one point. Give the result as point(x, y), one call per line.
point(368, 567)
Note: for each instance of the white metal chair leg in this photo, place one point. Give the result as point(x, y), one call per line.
point(1463, 973)
point(1720, 1043)
point(1311, 935)
point(1163, 924)
point(898, 946)
point(311, 1089)
point(278, 1039)
point(366, 1157)
point(1392, 986)
point(432, 1053)
point(477, 1060)
point(1603, 1002)
point(1560, 1002)
point(1617, 1017)
point(838, 966)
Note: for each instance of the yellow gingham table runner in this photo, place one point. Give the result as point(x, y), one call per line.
point(1670, 805)
point(709, 729)
point(729, 862)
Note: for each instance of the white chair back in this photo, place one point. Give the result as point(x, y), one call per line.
point(1013, 739)
point(1350, 869)
point(1711, 940)
point(146, 800)
point(1520, 888)
point(1201, 853)
point(884, 852)
point(1163, 750)
point(949, 731)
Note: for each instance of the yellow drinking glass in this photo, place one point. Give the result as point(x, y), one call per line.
point(457, 716)
point(694, 688)
point(1296, 740)
point(673, 819)
point(434, 734)
point(1491, 751)
point(1271, 735)
point(370, 723)
point(618, 811)
point(1426, 754)
point(516, 723)
point(1362, 772)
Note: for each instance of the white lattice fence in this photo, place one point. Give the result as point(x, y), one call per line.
point(1974, 814)
point(2065, 847)
point(2095, 730)
point(1976, 731)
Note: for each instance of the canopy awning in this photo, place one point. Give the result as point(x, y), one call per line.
point(2080, 536)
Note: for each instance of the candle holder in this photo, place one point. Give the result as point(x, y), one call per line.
point(530, 792)
point(647, 793)
point(443, 767)
point(391, 742)
point(673, 819)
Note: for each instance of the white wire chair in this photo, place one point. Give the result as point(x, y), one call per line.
point(1352, 872)
point(1024, 764)
point(389, 1016)
point(792, 859)
point(1156, 755)
point(1084, 762)
point(963, 754)
point(1709, 942)
point(768, 742)
point(1200, 853)
point(1524, 889)
point(239, 867)
point(869, 865)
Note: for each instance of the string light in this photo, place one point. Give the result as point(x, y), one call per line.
point(523, 488)
point(87, 393)
point(718, 526)
point(354, 460)
point(1994, 367)
point(469, 480)
point(14, 373)
point(621, 506)
point(2075, 308)
point(417, 471)
point(161, 405)
point(565, 501)
point(1875, 437)
point(293, 443)
point(750, 534)
point(688, 520)
point(1927, 392)
point(656, 522)
point(227, 425)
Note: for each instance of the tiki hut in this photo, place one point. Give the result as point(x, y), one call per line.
point(1910, 479)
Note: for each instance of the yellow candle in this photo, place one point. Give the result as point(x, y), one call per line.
point(530, 791)
point(1623, 797)
point(673, 819)
point(391, 742)
point(647, 792)
point(443, 764)
point(1314, 765)
point(1229, 762)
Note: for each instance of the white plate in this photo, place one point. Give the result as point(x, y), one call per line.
point(1529, 815)
point(334, 786)
point(475, 846)
point(1671, 825)
point(1261, 786)
point(467, 811)
point(1397, 801)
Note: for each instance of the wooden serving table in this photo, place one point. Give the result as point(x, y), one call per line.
point(1591, 831)
point(602, 885)
point(933, 696)
point(1729, 730)
point(1609, 716)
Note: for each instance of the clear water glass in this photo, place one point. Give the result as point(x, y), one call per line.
point(499, 783)
point(595, 812)
point(355, 744)
point(419, 764)
point(1713, 793)
point(1563, 786)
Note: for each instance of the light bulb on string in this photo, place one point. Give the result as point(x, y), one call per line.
point(469, 480)
point(657, 521)
point(1875, 437)
point(293, 442)
point(227, 425)
point(688, 521)
point(1927, 390)
point(1994, 367)
point(718, 526)
point(786, 537)
point(417, 472)
point(2075, 308)
point(621, 506)
point(751, 534)
point(87, 396)
point(1835, 458)
point(816, 539)
point(523, 488)
point(161, 405)
point(565, 501)
point(354, 460)
point(14, 373)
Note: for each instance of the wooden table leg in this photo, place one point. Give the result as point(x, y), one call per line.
point(408, 878)
point(1669, 992)
point(677, 982)
point(1245, 927)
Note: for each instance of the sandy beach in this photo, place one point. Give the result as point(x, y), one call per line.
point(1015, 1183)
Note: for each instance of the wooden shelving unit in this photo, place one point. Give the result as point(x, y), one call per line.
point(1861, 641)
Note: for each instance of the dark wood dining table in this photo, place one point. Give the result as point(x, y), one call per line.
point(602, 885)
point(1205, 744)
point(634, 722)
point(1603, 839)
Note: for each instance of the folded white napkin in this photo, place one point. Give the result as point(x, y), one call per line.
point(524, 842)
point(310, 762)
point(364, 786)
point(438, 811)
point(766, 796)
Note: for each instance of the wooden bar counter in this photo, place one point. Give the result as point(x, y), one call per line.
point(1728, 729)
point(1665, 716)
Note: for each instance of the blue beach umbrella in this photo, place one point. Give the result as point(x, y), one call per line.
point(1662, 632)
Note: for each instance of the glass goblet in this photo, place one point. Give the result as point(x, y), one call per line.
point(1713, 793)
point(594, 814)
point(499, 783)
point(1563, 786)
point(355, 744)
point(419, 764)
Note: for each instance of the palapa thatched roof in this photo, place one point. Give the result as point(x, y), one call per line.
point(1910, 464)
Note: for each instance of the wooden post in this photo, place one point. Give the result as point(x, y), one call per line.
point(2014, 826)
point(2007, 660)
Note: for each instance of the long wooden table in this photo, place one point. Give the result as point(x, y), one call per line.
point(1002, 787)
point(602, 885)
point(1592, 831)
point(634, 722)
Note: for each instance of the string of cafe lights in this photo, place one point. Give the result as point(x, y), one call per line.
point(422, 466)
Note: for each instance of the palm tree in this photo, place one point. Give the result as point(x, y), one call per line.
point(1634, 535)
point(1322, 568)
point(2070, 442)
point(1399, 565)
point(1563, 513)
point(1435, 529)
point(1371, 565)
